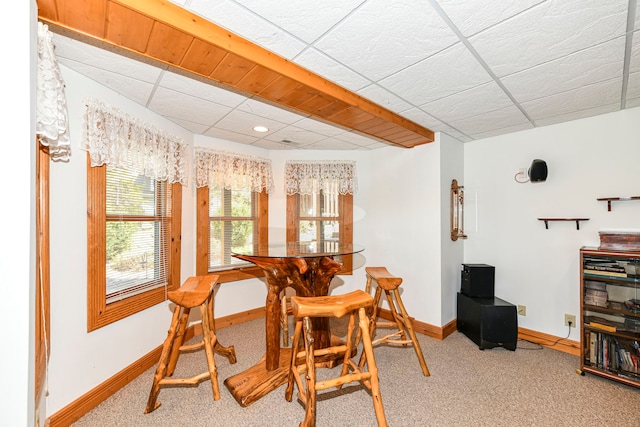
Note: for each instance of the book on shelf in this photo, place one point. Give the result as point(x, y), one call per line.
point(613, 267)
point(592, 284)
point(605, 273)
point(603, 326)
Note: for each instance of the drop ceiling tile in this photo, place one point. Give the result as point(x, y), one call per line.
point(633, 85)
point(263, 109)
point(177, 105)
point(103, 59)
point(634, 63)
point(271, 145)
point(201, 89)
point(580, 114)
point(497, 119)
point(196, 128)
point(357, 139)
point(422, 118)
point(136, 90)
point(383, 97)
point(473, 16)
point(248, 25)
point(583, 98)
point(549, 31)
point(243, 122)
point(503, 131)
point(331, 69)
point(631, 103)
point(230, 136)
point(319, 127)
point(450, 71)
point(592, 65)
point(333, 144)
point(296, 135)
point(383, 37)
point(304, 19)
point(472, 102)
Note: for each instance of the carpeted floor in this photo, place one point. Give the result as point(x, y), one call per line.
point(467, 387)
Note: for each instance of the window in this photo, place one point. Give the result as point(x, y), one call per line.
point(322, 218)
point(232, 211)
point(320, 203)
point(133, 243)
point(229, 219)
point(135, 175)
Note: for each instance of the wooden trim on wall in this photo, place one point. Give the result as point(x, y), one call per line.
point(42, 274)
point(85, 403)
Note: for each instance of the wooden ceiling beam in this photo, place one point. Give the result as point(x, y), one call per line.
point(165, 32)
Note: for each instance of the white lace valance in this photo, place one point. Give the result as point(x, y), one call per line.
point(117, 140)
point(230, 171)
point(309, 177)
point(52, 122)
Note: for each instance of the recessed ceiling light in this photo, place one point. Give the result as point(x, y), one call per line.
point(260, 128)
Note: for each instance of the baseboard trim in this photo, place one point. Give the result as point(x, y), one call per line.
point(85, 403)
point(550, 341)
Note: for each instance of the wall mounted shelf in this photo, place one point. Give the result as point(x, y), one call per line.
point(616, 199)
point(577, 220)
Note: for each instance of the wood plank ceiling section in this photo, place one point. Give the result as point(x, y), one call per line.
point(162, 31)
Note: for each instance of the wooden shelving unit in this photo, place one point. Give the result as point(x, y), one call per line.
point(610, 317)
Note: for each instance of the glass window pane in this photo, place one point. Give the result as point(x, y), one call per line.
point(230, 203)
point(225, 236)
point(135, 259)
point(311, 231)
point(129, 193)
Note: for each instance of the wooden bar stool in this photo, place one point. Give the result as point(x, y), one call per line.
point(303, 360)
point(402, 323)
point(197, 291)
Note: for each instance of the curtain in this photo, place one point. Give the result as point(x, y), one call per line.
point(52, 122)
point(309, 177)
point(115, 139)
point(223, 170)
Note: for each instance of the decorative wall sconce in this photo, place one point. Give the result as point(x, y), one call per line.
point(457, 211)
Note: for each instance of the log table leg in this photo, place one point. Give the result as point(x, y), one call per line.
point(309, 276)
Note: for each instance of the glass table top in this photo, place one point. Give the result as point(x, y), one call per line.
point(299, 249)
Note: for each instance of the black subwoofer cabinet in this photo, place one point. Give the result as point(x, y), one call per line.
point(488, 322)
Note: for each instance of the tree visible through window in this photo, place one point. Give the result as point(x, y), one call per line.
point(232, 225)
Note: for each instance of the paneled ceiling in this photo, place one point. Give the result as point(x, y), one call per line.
point(389, 71)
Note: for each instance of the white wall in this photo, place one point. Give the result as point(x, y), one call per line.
point(17, 172)
point(452, 252)
point(535, 267)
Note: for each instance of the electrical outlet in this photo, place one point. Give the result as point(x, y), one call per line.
point(522, 310)
point(570, 318)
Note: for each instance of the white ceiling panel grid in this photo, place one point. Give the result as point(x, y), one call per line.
point(468, 68)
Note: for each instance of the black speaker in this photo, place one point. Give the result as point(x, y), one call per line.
point(478, 280)
point(538, 171)
point(488, 322)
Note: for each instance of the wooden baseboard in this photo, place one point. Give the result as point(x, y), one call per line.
point(85, 403)
point(550, 341)
point(79, 407)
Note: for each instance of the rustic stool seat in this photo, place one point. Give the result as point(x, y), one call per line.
point(402, 323)
point(197, 291)
point(303, 360)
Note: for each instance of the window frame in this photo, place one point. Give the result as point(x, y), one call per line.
point(99, 313)
point(345, 219)
point(202, 238)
